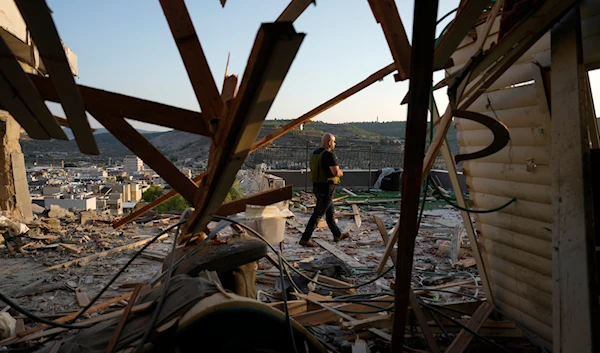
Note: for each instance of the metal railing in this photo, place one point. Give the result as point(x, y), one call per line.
point(349, 157)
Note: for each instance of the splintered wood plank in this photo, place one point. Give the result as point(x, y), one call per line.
point(138, 109)
point(275, 47)
point(41, 26)
point(264, 198)
point(464, 337)
point(335, 251)
point(229, 88)
point(194, 59)
point(385, 237)
point(466, 17)
point(386, 14)
point(133, 140)
point(112, 344)
point(294, 9)
point(24, 89)
point(414, 303)
point(416, 126)
point(357, 218)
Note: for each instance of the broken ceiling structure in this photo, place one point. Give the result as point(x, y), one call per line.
point(516, 74)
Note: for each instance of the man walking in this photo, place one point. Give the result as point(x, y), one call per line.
point(325, 174)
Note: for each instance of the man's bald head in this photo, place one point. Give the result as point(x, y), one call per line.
point(328, 141)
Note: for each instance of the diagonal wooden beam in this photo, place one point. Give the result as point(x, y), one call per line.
point(229, 89)
point(275, 47)
point(133, 140)
point(464, 337)
point(64, 122)
point(467, 16)
point(41, 26)
point(386, 14)
point(416, 126)
point(13, 74)
point(267, 140)
point(377, 76)
point(294, 9)
point(132, 108)
point(194, 59)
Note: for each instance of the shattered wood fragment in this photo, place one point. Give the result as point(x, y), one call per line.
point(349, 192)
point(69, 317)
point(385, 237)
point(323, 316)
point(115, 337)
point(348, 260)
point(85, 260)
point(416, 308)
point(357, 218)
point(463, 339)
point(295, 307)
point(376, 321)
point(70, 248)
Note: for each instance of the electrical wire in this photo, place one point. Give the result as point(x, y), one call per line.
point(82, 312)
point(446, 15)
point(34, 317)
point(325, 285)
point(464, 327)
point(496, 209)
point(285, 303)
point(138, 253)
point(163, 295)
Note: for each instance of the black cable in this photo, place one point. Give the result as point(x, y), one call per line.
point(464, 327)
point(138, 253)
point(82, 312)
point(437, 322)
point(297, 271)
point(34, 317)
point(285, 303)
point(446, 15)
point(449, 202)
point(389, 308)
point(163, 295)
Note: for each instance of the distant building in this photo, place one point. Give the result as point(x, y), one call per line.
point(129, 191)
point(79, 202)
point(133, 164)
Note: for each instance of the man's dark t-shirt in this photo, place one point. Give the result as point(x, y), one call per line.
point(329, 159)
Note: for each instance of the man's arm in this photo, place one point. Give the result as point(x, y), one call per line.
point(336, 171)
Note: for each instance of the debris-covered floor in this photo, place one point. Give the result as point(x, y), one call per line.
point(64, 259)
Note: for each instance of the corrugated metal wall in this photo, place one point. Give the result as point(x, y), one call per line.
point(516, 242)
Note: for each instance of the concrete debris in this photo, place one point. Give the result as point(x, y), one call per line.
point(59, 212)
point(15, 228)
point(37, 209)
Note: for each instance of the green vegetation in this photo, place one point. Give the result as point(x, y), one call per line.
point(152, 193)
point(175, 203)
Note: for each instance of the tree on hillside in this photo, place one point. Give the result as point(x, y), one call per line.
point(152, 193)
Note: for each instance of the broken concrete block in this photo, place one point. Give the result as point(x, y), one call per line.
point(37, 209)
point(87, 217)
point(59, 212)
point(53, 223)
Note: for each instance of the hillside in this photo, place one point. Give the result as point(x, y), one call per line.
point(186, 149)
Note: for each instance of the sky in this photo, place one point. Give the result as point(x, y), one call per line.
point(127, 47)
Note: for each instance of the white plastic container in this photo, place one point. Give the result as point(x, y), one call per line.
point(269, 221)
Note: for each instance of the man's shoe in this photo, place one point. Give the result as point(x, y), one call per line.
point(308, 243)
point(341, 237)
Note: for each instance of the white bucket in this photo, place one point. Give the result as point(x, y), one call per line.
point(269, 221)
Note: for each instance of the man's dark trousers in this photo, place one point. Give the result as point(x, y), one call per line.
point(324, 206)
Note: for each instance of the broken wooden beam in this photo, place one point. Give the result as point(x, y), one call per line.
point(294, 9)
point(23, 101)
point(463, 339)
point(41, 27)
point(274, 50)
point(194, 60)
point(335, 251)
point(129, 107)
point(357, 218)
point(139, 145)
point(386, 13)
point(264, 198)
point(416, 308)
point(416, 126)
point(112, 344)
